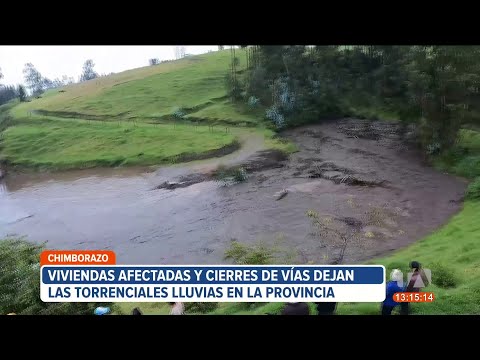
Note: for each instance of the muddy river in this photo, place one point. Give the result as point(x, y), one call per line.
point(357, 174)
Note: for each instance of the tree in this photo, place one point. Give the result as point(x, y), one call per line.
point(22, 94)
point(1, 74)
point(154, 61)
point(88, 72)
point(179, 52)
point(67, 80)
point(48, 84)
point(443, 84)
point(57, 83)
point(33, 79)
point(221, 47)
point(434, 87)
point(7, 93)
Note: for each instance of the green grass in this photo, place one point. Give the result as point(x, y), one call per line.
point(71, 144)
point(456, 247)
point(464, 159)
point(225, 112)
point(195, 83)
point(470, 139)
point(272, 141)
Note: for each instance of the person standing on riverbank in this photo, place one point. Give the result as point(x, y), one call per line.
point(137, 311)
point(393, 286)
point(296, 308)
point(417, 281)
point(326, 308)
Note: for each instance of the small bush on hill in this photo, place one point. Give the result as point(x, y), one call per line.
point(473, 190)
point(443, 276)
point(243, 254)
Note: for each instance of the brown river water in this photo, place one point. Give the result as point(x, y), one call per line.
point(357, 173)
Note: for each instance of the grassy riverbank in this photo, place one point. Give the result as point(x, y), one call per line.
point(75, 144)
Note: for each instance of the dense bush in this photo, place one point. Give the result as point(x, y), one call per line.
point(230, 175)
point(468, 166)
point(20, 283)
point(179, 113)
point(7, 93)
point(473, 190)
point(234, 87)
point(243, 254)
point(443, 276)
point(253, 102)
point(274, 114)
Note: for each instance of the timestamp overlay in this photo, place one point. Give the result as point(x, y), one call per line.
point(415, 297)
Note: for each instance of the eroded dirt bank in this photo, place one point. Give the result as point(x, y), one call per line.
point(357, 173)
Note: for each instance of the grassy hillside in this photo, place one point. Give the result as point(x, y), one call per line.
point(126, 118)
point(195, 83)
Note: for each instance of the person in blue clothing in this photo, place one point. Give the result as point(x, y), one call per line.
point(393, 286)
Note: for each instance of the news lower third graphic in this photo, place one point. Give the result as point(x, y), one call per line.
point(93, 276)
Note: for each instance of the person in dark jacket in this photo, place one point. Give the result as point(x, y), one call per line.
point(136, 311)
point(326, 308)
point(417, 281)
point(296, 308)
point(393, 286)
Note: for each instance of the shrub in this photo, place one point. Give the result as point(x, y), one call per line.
point(443, 276)
point(253, 102)
point(468, 166)
point(20, 283)
point(453, 156)
point(200, 307)
point(257, 85)
point(243, 254)
point(473, 190)
point(274, 115)
point(179, 113)
point(239, 174)
point(433, 149)
point(284, 95)
point(233, 85)
point(228, 175)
